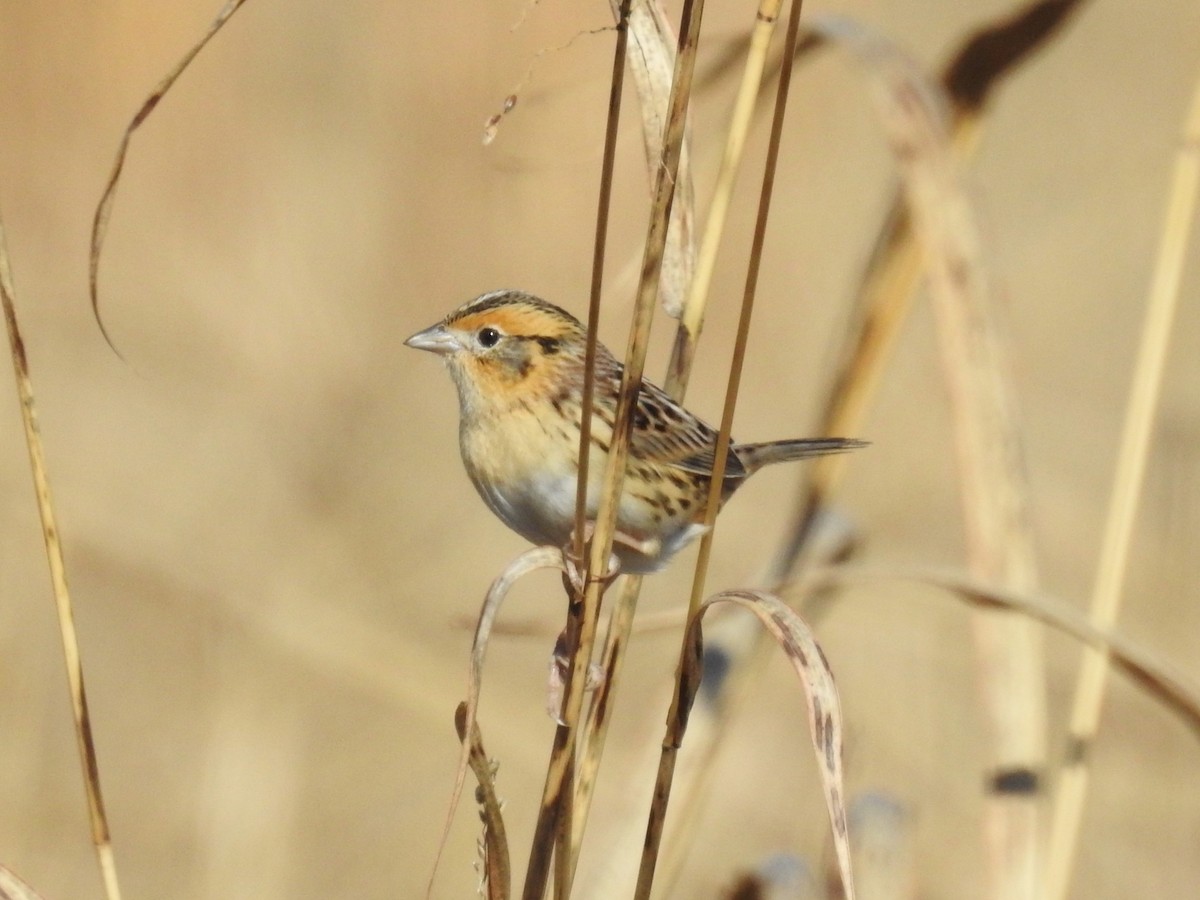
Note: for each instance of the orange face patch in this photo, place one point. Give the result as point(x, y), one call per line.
point(527, 361)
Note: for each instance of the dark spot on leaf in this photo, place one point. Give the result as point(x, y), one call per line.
point(1017, 781)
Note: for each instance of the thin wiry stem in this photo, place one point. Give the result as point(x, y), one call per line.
point(584, 611)
point(691, 321)
point(675, 384)
point(104, 208)
point(671, 742)
point(1122, 510)
point(602, 209)
point(569, 835)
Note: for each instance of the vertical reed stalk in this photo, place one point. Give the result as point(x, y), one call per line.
point(603, 204)
point(675, 720)
point(691, 320)
point(1122, 510)
point(584, 608)
point(678, 372)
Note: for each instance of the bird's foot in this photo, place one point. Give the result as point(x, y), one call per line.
point(560, 665)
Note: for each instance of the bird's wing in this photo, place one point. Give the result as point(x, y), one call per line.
point(667, 434)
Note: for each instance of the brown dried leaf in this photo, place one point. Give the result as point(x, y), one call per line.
point(497, 868)
point(990, 54)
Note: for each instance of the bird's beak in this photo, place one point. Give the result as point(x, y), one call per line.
point(436, 339)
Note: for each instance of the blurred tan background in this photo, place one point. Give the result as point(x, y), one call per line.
point(268, 532)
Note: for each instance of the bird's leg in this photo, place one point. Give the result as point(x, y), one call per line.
point(647, 547)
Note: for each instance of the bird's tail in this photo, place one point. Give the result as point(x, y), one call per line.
point(755, 456)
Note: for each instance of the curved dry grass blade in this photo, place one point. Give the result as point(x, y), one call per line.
point(529, 561)
point(652, 65)
point(994, 491)
point(820, 692)
point(1171, 689)
point(58, 578)
point(13, 888)
point(497, 870)
point(1127, 485)
point(104, 208)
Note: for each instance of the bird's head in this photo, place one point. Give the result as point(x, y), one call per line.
point(506, 346)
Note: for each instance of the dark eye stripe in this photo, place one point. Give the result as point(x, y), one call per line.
point(549, 345)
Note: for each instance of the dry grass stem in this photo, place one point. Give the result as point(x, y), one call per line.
point(554, 818)
point(1123, 504)
point(571, 832)
point(58, 579)
point(603, 204)
point(681, 700)
point(651, 35)
point(650, 31)
point(595, 728)
point(104, 208)
point(692, 317)
point(885, 294)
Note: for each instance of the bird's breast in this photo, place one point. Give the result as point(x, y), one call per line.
point(524, 467)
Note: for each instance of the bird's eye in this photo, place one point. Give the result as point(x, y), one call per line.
point(488, 337)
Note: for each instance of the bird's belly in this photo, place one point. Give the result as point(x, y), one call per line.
point(528, 479)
